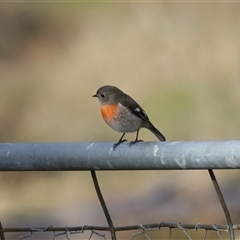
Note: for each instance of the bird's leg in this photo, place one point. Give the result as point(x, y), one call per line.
point(136, 140)
point(119, 142)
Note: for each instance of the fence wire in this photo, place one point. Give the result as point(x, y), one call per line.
point(91, 232)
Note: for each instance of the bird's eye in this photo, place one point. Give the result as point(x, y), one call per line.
point(102, 95)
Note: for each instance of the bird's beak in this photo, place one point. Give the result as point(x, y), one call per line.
point(95, 95)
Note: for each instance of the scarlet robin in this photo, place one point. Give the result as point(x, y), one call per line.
point(123, 114)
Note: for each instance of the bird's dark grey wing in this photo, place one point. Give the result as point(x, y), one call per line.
point(134, 107)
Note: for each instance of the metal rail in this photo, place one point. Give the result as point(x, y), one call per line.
point(101, 156)
point(142, 156)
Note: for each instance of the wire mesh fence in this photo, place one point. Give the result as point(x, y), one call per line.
point(160, 230)
point(101, 156)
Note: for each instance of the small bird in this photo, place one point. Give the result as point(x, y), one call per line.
point(123, 114)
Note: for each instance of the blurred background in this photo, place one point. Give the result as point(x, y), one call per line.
point(180, 61)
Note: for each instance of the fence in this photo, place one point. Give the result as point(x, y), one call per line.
point(93, 157)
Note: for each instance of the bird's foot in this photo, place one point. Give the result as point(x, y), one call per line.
point(118, 143)
point(135, 141)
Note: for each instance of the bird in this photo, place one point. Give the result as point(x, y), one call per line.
point(123, 114)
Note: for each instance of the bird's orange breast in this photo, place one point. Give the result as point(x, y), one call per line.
point(109, 112)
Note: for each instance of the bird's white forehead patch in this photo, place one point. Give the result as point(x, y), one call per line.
point(137, 109)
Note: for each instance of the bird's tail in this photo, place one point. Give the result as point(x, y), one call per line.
point(156, 132)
